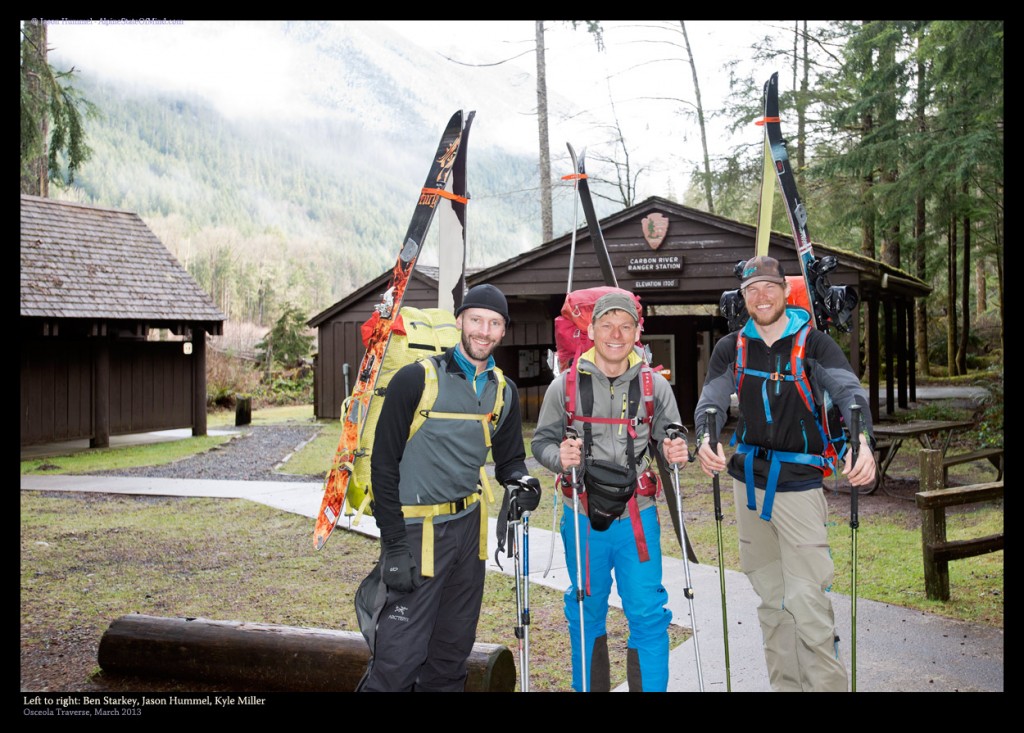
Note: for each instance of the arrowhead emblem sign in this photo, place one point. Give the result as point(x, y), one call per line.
point(655, 228)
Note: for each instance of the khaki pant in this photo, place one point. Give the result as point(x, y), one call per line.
point(790, 566)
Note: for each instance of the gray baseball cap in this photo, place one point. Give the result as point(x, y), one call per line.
point(615, 302)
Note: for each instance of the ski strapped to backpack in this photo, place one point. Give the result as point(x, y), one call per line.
point(436, 188)
point(610, 488)
point(427, 512)
point(835, 448)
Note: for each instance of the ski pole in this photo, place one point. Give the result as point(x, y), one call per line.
point(674, 431)
point(571, 434)
point(555, 501)
point(526, 601)
point(712, 429)
point(522, 629)
point(855, 418)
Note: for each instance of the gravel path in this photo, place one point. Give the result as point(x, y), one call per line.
point(251, 456)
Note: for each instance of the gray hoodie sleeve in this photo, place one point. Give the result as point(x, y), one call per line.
point(550, 426)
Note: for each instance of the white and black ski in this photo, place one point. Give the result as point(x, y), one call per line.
point(593, 224)
point(452, 226)
point(830, 306)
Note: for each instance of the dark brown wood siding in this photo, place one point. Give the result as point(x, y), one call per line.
point(150, 388)
point(56, 391)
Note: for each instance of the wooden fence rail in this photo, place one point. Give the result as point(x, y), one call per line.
point(932, 500)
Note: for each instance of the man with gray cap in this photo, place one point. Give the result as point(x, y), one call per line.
point(420, 604)
point(621, 407)
point(779, 366)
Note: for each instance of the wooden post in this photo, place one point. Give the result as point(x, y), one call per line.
point(933, 528)
point(261, 657)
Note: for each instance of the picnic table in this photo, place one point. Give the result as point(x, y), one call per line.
point(931, 434)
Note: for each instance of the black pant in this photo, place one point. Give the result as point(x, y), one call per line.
point(423, 639)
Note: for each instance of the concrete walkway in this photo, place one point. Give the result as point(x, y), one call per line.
point(898, 649)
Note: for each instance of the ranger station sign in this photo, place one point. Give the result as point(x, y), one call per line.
point(655, 263)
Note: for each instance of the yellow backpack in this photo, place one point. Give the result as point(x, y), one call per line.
point(417, 334)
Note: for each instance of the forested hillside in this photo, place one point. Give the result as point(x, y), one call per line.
point(267, 211)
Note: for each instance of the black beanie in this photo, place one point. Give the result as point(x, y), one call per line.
point(485, 296)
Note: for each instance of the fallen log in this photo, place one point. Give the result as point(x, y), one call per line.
point(263, 657)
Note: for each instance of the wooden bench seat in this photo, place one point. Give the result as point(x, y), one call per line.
point(994, 456)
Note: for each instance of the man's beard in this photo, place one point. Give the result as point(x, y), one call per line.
point(473, 351)
point(767, 318)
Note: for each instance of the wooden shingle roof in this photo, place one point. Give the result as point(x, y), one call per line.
point(80, 261)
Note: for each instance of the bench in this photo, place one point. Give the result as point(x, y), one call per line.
point(937, 550)
point(882, 461)
point(994, 455)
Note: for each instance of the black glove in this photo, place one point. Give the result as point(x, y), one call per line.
point(398, 567)
point(526, 493)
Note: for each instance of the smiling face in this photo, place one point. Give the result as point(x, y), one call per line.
point(482, 331)
point(613, 335)
point(766, 301)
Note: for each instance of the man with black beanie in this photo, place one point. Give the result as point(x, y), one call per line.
point(420, 604)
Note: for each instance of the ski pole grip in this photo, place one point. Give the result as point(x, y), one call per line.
point(673, 430)
point(712, 427)
point(855, 423)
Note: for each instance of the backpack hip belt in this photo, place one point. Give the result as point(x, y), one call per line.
point(447, 508)
point(776, 458)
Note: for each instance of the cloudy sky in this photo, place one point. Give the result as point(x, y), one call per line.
point(244, 70)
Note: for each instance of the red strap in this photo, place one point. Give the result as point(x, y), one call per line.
point(570, 393)
point(638, 530)
point(647, 375)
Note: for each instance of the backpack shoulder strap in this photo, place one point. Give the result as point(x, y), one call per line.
point(571, 378)
point(499, 397)
point(427, 398)
point(647, 383)
point(741, 360)
point(799, 351)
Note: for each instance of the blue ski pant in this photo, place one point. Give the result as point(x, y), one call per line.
point(638, 584)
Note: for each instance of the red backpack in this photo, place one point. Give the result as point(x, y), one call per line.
point(571, 338)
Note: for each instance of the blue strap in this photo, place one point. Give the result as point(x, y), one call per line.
point(776, 459)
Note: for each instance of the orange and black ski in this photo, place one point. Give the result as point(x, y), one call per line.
point(438, 187)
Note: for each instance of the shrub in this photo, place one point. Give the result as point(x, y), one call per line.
point(228, 375)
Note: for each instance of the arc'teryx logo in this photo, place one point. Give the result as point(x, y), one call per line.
point(398, 614)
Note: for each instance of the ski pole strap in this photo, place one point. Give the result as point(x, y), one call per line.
point(776, 459)
point(429, 511)
point(446, 194)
